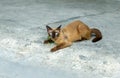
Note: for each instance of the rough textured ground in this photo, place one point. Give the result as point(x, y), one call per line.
point(22, 32)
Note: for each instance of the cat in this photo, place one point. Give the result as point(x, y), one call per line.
point(75, 31)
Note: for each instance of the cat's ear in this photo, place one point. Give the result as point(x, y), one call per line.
point(59, 27)
point(48, 28)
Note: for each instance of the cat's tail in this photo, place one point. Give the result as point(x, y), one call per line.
point(97, 34)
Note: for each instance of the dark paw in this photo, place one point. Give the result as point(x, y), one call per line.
point(53, 50)
point(46, 42)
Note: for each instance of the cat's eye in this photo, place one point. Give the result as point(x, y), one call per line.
point(56, 34)
point(50, 33)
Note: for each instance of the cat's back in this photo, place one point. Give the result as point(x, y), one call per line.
point(72, 27)
point(75, 30)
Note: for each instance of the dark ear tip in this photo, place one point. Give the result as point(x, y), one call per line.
point(60, 26)
point(47, 26)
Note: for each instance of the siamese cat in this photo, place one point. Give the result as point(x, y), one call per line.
point(75, 31)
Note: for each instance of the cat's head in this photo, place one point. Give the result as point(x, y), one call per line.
point(53, 33)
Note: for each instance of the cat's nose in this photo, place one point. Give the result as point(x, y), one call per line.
point(53, 36)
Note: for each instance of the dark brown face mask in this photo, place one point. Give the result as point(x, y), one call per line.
point(53, 33)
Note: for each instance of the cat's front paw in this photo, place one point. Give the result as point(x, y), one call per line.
point(46, 42)
point(53, 49)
